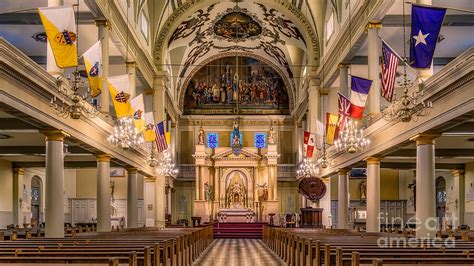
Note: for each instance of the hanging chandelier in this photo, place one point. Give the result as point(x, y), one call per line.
point(166, 166)
point(152, 159)
point(75, 104)
point(307, 167)
point(351, 139)
point(125, 134)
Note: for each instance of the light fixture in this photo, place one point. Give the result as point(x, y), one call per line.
point(351, 139)
point(307, 168)
point(152, 159)
point(166, 166)
point(125, 134)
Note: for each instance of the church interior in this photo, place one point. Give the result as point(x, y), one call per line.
point(241, 132)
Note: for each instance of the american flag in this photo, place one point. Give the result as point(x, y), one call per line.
point(344, 110)
point(389, 71)
point(161, 143)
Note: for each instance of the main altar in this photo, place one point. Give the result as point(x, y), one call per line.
point(236, 183)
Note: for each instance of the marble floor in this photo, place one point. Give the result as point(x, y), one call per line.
point(241, 252)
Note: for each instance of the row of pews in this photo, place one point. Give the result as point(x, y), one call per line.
point(141, 246)
point(343, 247)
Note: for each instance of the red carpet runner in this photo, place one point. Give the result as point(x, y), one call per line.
point(238, 230)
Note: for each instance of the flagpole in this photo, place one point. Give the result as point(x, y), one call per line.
point(399, 57)
point(445, 7)
point(24, 10)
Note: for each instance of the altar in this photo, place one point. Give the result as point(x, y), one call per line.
point(236, 215)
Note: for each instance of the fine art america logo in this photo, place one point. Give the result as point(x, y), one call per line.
point(430, 226)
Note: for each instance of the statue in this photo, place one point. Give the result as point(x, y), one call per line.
point(208, 191)
point(264, 195)
point(201, 136)
point(271, 137)
point(363, 190)
point(236, 141)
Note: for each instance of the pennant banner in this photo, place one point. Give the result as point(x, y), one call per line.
point(425, 26)
point(149, 133)
point(138, 107)
point(60, 27)
point(331, 128)
point(359, 91)
point(93, 63)
point(119, 88)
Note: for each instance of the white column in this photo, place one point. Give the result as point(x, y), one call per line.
point(132, 200)
point(460, 195)
point(103, 193)
point(131, 71)
point(313, 104)
point(425, 185)
point(51, 66)
point(18, 174)
point(374, 66)
point(299, 140)
point(373, 194)
point(343, 199)
point(103, 30)
point(160, 201)
point(424, 73)
point(54, 194)
point(344, 79)
point(325, 203)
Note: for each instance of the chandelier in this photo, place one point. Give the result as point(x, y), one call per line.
point(408, 107)
point(323, 160)
point(351, 139)
point(125, 134)
point(166, 166)
point(307, 168)
point(76, 104)
point(152, 159)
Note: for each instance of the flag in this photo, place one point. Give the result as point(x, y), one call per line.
point(138, 107)
point(389, 71)
point(319, 134)
point(93, 62)
point(119, 88)
point(60, 27)
point(342, 122)
point(160, 137)
point(425, 26)
point(359, 90)
point(309, 141)
point(344, 105)
point(149, 133)
point(331, 128)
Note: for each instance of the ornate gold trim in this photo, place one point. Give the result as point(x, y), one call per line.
point(457, 172)
point(19, 171)
point(343, 171)
point(103, 157)
point(132, 170)
point(425, 138)
point(373, 160)
point(54, 134)
point(374, 25)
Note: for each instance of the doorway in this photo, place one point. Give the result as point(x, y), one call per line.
point(36, 199)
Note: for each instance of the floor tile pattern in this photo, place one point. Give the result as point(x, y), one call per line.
point(238, 252)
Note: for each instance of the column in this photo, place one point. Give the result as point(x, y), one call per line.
point(343, 199)
point(51, 66)
point(313, 104)
point(132, 200)
point(344, 79)
point(325, 203)
point(425, 185)
point(18, 174)
point(373, 194)
point(424, 73)
point(374, 66)
point(299, 140)
point(103, 30)
point(460, 194)
point(160, 201)
point(54, 192)
point(103, 193)
point(131, 71)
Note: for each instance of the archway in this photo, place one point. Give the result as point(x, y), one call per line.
point(36, 199)
point(440, 198)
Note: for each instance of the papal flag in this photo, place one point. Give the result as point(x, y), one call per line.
point(93, 62)
point(119, 88)
point(149, 133)
point(60, 27)
point(331, 128)
point(138, 107)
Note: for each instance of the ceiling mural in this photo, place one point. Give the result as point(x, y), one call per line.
point(236, 84)
point(224, 27)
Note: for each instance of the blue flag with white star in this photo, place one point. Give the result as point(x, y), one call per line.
point(425, 26)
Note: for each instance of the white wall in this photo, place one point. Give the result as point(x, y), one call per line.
point(6, 193)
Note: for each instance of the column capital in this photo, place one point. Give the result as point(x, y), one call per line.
point(150, 179)
point(132, 170)
point(457, 172)
point(19, 171)
point(425, 138)
point(102, 22)
point(130, 64)
point(344, 65)
point(373, 160)
point(103, 157)
point(343, 171)
point(376, 24)
point(54, 134)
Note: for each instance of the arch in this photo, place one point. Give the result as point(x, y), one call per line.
point(36, 200)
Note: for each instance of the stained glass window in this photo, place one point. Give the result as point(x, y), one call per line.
point(35, 193)
point(212, 140)
point(260, 140)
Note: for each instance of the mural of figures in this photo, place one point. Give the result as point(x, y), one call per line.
point(219, 86)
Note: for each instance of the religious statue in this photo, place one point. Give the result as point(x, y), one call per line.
point(201, 136)
point(412, 186)
point(208, 191)
point(264, 195)
point(236, 141)
point(271, 137)
point(363, 190)
point(236, 194)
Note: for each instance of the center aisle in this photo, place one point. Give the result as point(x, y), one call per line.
point(230, 252)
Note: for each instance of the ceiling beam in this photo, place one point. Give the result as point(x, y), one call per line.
point(31, 150)
point(33, 18)
point(463, 20)
point(438, 153)
point(438, 166)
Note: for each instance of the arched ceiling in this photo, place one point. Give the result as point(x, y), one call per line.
point(223, 28)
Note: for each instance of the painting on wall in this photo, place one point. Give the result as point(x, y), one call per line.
point(117, 172)
point(228, 83)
